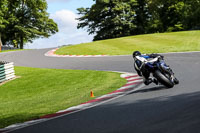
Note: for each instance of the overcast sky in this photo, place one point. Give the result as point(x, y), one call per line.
point(64, 12)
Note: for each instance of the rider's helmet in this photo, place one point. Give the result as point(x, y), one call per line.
point(136, 53)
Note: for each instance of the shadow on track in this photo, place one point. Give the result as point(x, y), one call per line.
point(163, 114)
point(131, 114)
point(161, 87)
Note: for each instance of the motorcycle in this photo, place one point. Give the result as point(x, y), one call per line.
point(159, 69)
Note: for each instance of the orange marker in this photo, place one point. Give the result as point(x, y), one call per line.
point(91, 94)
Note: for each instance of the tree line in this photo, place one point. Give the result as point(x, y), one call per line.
point(117, 18)
point(22, 21)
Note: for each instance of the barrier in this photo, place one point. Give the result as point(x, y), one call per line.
point(7, 71)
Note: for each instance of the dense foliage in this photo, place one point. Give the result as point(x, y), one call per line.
point(22, 21)
point(117, 18)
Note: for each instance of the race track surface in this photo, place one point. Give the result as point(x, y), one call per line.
point(153, 109)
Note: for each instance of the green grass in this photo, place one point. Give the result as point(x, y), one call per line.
point(11, 50)
point(43, 91)
point(149, 43)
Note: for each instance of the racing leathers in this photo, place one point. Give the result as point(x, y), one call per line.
point(139, 64)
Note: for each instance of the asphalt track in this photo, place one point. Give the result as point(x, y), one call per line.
point(153, 109)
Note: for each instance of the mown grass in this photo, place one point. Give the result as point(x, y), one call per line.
point(2, 51)
point(44, 91)
point(149, 43)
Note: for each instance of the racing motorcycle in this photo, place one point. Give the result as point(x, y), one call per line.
point(158, 68)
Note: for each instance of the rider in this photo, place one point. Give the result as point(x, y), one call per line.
point(139, 65)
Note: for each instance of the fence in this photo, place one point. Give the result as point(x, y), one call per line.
point(7, 71)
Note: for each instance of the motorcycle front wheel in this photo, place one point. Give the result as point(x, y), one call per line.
point(163, 79)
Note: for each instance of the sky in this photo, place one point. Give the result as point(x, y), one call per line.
point(64, 13)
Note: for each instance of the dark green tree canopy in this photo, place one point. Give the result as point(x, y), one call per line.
point(109, 19)
point(3, 21)
point(27, 20)
point(117, 18)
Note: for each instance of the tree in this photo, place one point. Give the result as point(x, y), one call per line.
point(3, 21)
point(142, 16)
point(28, 20)
point(191, 18)
point(117, 18)
point(165, 15)
point(108, 18)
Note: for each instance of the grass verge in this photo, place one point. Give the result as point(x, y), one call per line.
point(43, 91)
point(149, 43)
point(3, 51)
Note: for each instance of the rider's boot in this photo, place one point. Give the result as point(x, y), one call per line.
point(155, 81)
point(148, 81)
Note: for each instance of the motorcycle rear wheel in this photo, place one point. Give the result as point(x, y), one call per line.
point(163, 79)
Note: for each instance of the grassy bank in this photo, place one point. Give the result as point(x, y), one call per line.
point(149, 43)
point(43, 91)
point(11, 50)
